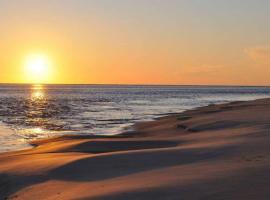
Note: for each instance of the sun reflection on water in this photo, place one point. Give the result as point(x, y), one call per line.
point(37, 92)
point(37, 95)
point(37, 87)
point(36, 111)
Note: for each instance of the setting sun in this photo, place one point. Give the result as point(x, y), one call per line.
point(37, 68)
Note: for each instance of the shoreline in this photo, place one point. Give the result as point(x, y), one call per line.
point(212, 152)
point(11, 139)
point(30, 144)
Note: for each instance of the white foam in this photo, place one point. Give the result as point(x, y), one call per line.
point(10, 141)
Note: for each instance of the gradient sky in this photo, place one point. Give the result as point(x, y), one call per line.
point(138, 41)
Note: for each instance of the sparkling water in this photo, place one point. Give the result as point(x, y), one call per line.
point(38, 111)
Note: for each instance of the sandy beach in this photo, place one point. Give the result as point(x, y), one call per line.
point(214, 152)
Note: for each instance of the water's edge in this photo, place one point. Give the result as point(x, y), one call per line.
point(9, 134)
point(44, 111)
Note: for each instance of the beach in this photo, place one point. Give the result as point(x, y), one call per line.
point(213, 152)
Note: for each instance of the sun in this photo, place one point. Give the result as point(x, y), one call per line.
point(37, 68)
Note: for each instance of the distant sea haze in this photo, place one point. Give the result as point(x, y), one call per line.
point(37, 111)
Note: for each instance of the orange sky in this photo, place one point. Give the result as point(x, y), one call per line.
point(137, 42)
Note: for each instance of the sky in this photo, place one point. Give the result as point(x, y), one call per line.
point(185, 42)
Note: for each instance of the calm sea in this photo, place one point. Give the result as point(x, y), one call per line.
point(28, 112)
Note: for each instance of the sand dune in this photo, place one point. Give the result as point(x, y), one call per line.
point(214, 152)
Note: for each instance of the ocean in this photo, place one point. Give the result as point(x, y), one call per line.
point(29, 112)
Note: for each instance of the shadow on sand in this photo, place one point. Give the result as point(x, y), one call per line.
point(118, 164)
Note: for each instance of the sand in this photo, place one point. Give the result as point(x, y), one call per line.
point(214, 152)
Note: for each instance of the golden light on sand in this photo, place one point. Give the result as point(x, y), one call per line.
point(37, 68)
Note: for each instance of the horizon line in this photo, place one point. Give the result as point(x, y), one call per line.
point(135, 84)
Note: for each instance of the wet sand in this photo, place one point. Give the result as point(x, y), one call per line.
point(214, 152)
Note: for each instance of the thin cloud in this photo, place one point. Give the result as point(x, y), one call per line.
point(205, 70)
point(259, 54)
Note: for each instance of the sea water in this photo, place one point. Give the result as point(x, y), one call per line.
point(29, 112)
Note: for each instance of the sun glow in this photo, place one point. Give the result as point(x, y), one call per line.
point(37, 68)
